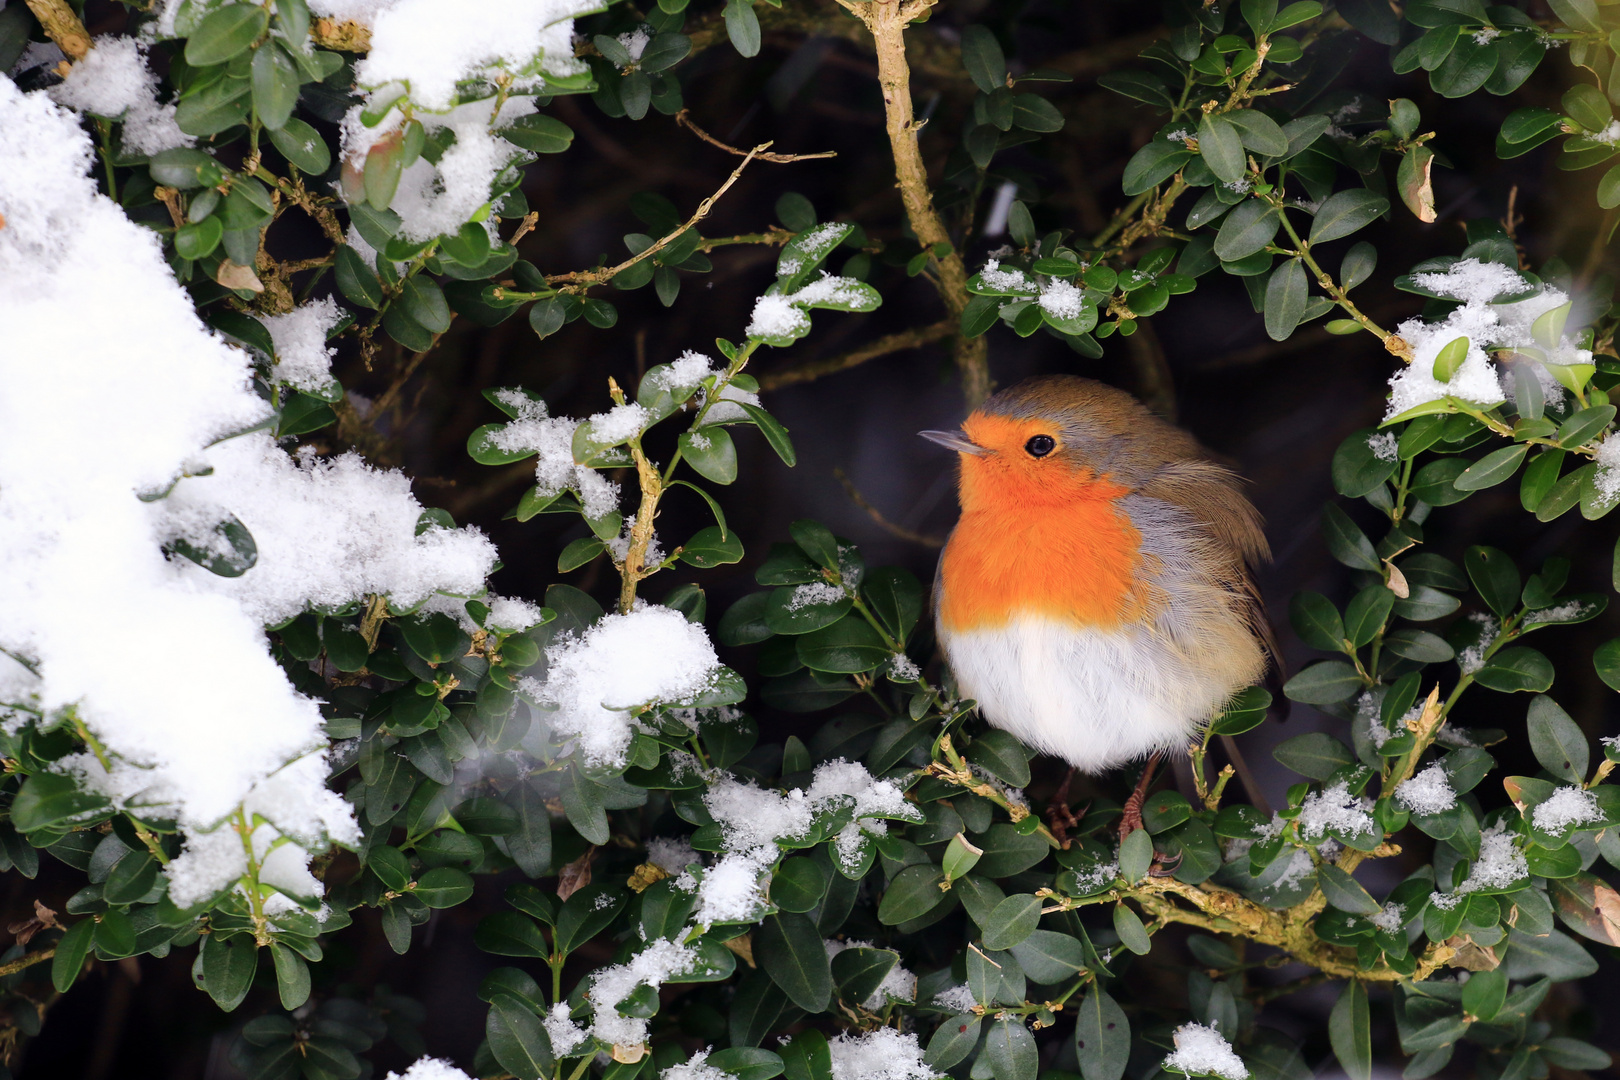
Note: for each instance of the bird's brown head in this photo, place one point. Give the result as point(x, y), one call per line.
point(1052, 439)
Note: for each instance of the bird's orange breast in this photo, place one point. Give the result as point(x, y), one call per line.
point(1039, 538)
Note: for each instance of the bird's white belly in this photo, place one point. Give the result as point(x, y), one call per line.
point(1097, 698)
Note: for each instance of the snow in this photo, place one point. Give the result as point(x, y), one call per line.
point(74, 538)
point(1390, 918)
point(1565, 612)
point(1202, 1051)
point(302, 359)
point(1472, 658)
point(1298, 869)
point(752, 819)
point(1486, 325)
point(1096, 876)
point(660, 961)
point(635, 42)
point(1061, 299)
point(958, 998)
point(1429, 792)
point(671, 854)
point(510, 615)
point(565, 1035)
point(779, 315)
point(903, 669)
point(430, 45)
point(1384, 446)
point(697, 1068)
point(649, 656)
point(1609, 136)
point(433, 200)
point(884, 1054)
point(813, 594)
point(430, 1069)
point(725, 406)
point(685, 372)
point(1004, 280)
point(898, 985)
point(1334, 808)
point(360, 11)
point(552, 438)
point(328, 532)
point(112, 81)
point(1566, 807)
point(620, 423)
point(1607, 478)
point(1500, 863)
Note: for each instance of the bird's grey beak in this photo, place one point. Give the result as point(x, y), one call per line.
point(954, 440)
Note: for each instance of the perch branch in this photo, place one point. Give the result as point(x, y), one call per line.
point(62, 26)
point(883, 522)
point(684, 118)
point(811, 370)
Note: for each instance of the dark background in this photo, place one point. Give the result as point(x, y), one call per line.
point(1275, 411)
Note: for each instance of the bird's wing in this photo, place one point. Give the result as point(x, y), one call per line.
point(1212, 497)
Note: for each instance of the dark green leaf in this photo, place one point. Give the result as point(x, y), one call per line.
point(789, 948)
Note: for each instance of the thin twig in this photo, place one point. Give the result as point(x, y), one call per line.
point(584, 279)
point(26, 961)
point(62, 26)
point(684, 118)
point(884, 523)
point(811, 370)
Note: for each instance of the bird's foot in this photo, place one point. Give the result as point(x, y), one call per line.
point(1132, 817)
point(1164, 865)
point(1059, 818)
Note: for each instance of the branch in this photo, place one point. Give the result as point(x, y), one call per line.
point(580, 280)
point(684, 118)
point(62, 26)
point(32, 958)
point(884, 523)
point(811, 370)
point(887, 22)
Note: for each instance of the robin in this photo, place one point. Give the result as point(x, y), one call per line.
point(1095, 597)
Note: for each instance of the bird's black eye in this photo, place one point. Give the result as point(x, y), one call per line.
point(1040, 445)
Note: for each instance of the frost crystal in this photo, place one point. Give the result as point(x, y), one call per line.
point(697, 1068)
point(430, 1069)
point(1429, 792)
point(552, 438)
point(671, 855)
point(1384, 446)
point(649, 656)
point(1607, 479)
point(1566, 807)
point(1499, 865)
point(564, 1033)
point(655, 965)
point(1061, 299)
point(1004, 280)
point(818, 592)
point(1390, 918)
point(956, 998)
point(1201, 1051)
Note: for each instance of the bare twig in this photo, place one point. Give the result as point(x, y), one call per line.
point(580, 280)
point(684, 118)
point(28, 961)
point(884, 523)
point(811, 370)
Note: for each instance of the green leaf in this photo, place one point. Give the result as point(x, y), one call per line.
point(1324, 683)
point(424, 302)
point(302, 145)
point(507, 933)
point(225, 33)
point(1367, 613)
point(71, 952)
point(1557, 741)
point(1316, 754)
point(1135, 855)
point(952, 1041)
point(742, 27)
point(132, 877)
point(443, 887)
point(1316, 621)
point(1346, 542)
point(747, 1062)
point(711, 452)
point(1002, 756)
point(848, 646)
point(1220, 142)
point(275, 84)
point(1285, 299)
point(913, 893)
point(984, 59)
point(775, 434)
point(1574, 1054)
point(1010, 1050)
point(712, 547)
point(1583, 425)
point(1496, 577)
point(1350, 1031)
point(1345, 892)
point(858, 972)
point(1011, 921)
point(1008, 851)
point(1493, 468)
point(1358, 470)
point(1259, 132)
point(789, 948)
point(1484, 994)
point(1132, 934)
point(1049, 957)
point(292, 976)
point(1102, 1037)
point(227, 967)
point(361, 287)
point(541, 134)
point(1246, 230)
point(517, 1040)
point(1449, 359)
point(1152, 165)
point(1586, 105)
point(1516, 669)
point(1345, 212)
point(49, 799)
